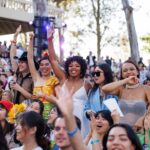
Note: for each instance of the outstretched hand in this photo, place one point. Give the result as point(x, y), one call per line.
point(50, 32)
point(93, 124)
point(115, 116)
point(63, 100)
point(31, 35)
point(18, 30)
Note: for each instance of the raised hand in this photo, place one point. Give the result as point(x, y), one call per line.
point(132, 80)
point(93, 124)
point(18, 30)
point(63, 100)
point(50, 32)
point(31, 35)
point(115, 116)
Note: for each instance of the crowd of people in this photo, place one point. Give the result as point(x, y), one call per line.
point(46, 105)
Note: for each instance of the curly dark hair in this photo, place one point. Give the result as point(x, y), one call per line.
point(79, 60)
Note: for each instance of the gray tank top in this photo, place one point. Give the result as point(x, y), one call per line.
point(132, 110)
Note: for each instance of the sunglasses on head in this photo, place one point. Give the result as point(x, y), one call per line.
point(98, 73)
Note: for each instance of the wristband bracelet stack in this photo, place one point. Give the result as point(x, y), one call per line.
point(73, 133)
point(94, 141)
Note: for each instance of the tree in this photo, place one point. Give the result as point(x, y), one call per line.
point(101, 9)
point(131, 31)
point(99, 14)
point(146, 40)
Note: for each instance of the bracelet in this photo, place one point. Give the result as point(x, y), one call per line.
point(50, 39)
point(73, 133)
point(94, 141)
point(13, 42)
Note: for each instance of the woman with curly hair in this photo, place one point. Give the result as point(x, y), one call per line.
point(72, 77)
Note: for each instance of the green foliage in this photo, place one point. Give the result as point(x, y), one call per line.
point(89, 22)
point(146, 40)
point(63, 3)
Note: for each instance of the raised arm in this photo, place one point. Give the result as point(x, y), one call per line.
point(30, 57)
point(52, 56)
point(13, 49)
point(115, 87)
point(95, 139)
point(65, 104)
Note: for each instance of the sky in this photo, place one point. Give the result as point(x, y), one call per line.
point(142, 25)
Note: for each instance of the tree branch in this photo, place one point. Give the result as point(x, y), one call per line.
point(94, 9)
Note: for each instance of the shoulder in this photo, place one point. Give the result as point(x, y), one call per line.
point(52, 80)
point(38, 148)
point(144, 88)
point(18, 148)
point(87, 85)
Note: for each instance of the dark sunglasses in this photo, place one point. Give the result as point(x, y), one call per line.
point(98, 73)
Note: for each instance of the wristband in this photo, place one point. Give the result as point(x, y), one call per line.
point(50, 39)
point(73, 133)
point(13, 42)
point(95, 141)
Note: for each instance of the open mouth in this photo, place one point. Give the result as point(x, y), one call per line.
point(60, 139)
point(99, 126)
point(116, 149)
point(73, 71)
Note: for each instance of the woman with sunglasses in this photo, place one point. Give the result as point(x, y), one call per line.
point(102, 75)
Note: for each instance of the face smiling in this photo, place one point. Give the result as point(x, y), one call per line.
point(24, 133)
point(45, 68)
point(23, 66)
point(74, 69)
point(128, 70)
point(101, 124)
point(20, 132)
point(60, 133)
point(118, 140)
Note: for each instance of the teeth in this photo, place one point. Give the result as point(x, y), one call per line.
point(73, 71)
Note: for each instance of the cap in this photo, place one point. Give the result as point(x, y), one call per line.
point(23, 57)
point(7, 104)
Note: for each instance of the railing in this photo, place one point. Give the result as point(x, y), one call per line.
point(27, 6)
point(21, 5)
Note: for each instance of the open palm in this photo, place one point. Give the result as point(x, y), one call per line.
point(63, 100)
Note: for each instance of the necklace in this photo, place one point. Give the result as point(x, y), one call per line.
point(132, 86)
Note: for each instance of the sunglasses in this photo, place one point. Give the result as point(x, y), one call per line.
point(98, 73)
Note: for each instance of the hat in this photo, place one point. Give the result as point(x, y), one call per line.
point(7, 104)
point(23, 57)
